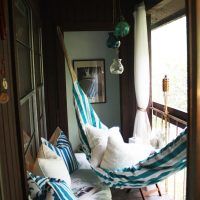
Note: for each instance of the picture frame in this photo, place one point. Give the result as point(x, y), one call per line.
point(91, 77)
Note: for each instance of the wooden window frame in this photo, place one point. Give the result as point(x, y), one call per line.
point(174, 112)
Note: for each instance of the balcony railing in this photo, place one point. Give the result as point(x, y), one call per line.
point(170, 125)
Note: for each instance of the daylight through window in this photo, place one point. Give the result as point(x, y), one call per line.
point(169, 57)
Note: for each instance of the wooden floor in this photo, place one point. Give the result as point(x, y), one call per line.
point(134, 194)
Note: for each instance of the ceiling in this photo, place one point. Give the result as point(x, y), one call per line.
point(78, 15)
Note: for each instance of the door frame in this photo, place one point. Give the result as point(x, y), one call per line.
point(193, 31)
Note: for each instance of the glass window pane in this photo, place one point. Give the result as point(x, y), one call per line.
point(25, 121)
point(41, 127)
point(169, 57)
point(24, 70)
point(31, 153)
point(36, 39)
point(22, 22)
point(37, 65)
point(39, 102)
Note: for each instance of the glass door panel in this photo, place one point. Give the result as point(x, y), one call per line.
point(24, 70)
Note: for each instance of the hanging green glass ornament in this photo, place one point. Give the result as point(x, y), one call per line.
point(112, 41)
point(122, 28)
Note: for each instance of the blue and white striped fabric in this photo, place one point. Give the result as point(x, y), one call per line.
point(59, 191)
point(170, 159)
point(86, 115)
point(37, 185)
point(41, 188)
point(64, 150)
point(158, 166)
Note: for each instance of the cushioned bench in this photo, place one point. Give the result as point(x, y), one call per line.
point(85, 184)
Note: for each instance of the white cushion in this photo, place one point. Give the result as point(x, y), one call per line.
point(49, 164)
point(120, 155)
point(97, 139)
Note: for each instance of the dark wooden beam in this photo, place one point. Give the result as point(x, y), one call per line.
point(193, 30)
point(128, 103)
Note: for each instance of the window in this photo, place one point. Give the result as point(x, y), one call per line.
point(169, 57)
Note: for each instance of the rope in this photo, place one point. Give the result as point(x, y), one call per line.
point(142, 109)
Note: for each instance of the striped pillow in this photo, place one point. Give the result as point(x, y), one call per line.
point(37, 185)
point(60, 191)
point(41, 187)
point(63, 149)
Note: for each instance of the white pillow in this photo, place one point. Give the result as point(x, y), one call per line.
point(45, 152)
point(82, 161)
point(51, 165)
point(120, 155)
point(97, 139)
point(53, 168)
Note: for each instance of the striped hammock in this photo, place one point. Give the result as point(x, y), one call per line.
point(158, 166)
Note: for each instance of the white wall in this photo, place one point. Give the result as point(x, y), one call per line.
point(91, 45)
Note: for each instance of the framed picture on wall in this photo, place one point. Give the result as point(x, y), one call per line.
point(91, 77)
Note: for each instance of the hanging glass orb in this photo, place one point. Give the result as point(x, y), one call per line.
point(112, 41)
point(122, 28)
point(116, 67)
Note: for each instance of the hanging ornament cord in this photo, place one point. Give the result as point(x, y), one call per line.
point(117, 12)
point(120, 11)
point(114, 12)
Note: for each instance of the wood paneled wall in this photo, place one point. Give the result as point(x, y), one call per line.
point(11, 154)
point(54, 70)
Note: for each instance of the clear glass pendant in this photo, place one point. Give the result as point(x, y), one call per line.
point(116, 67)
